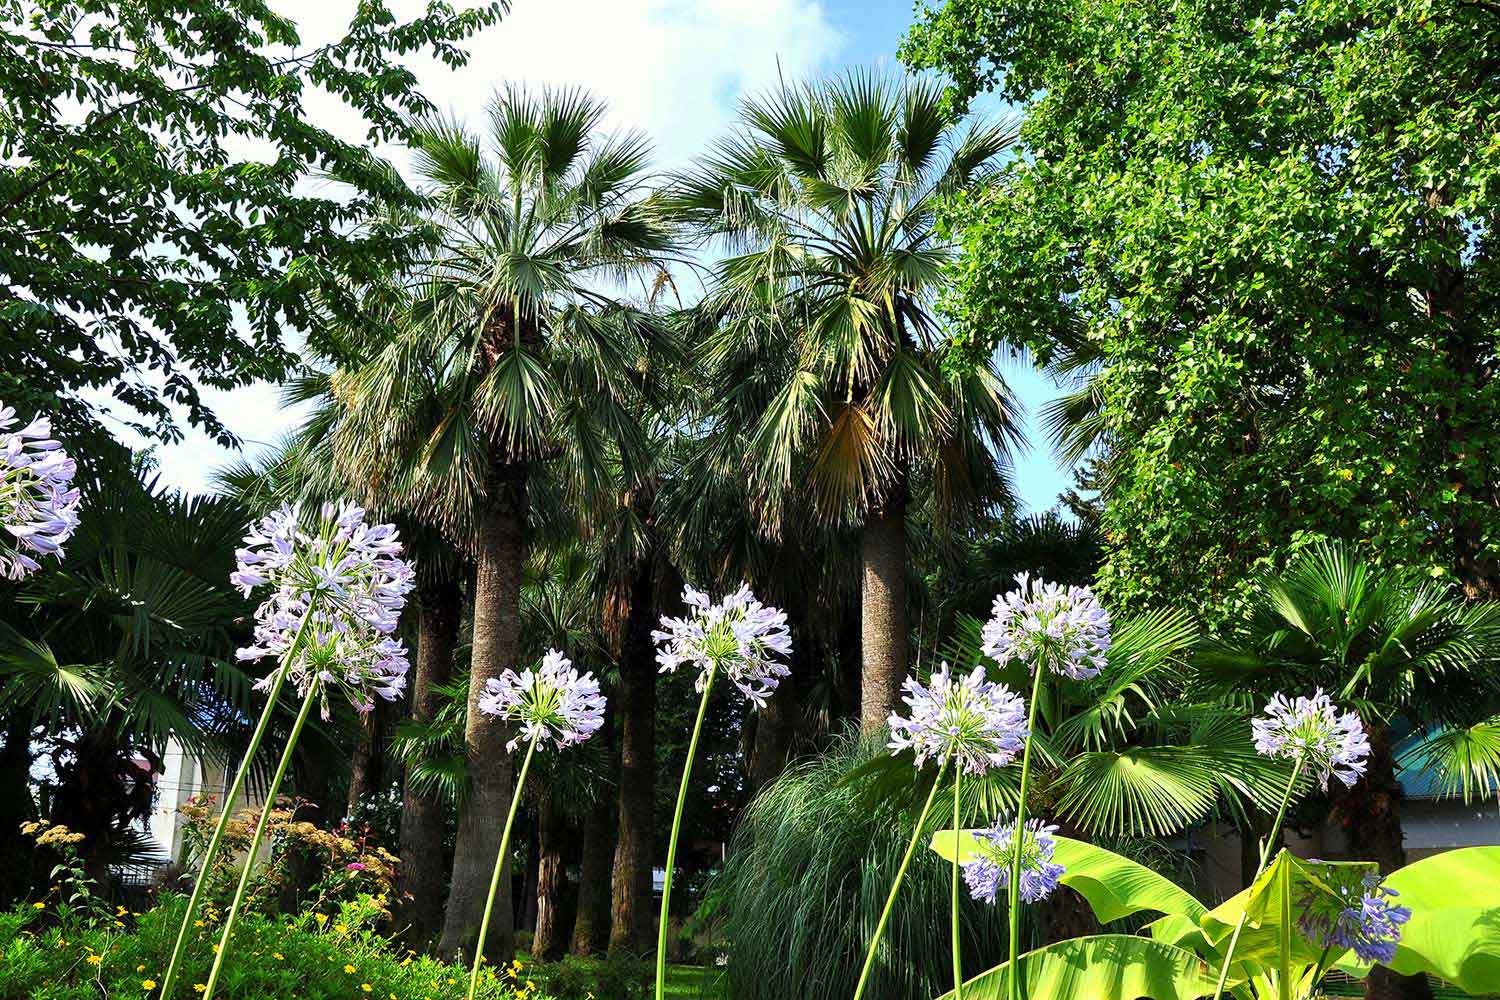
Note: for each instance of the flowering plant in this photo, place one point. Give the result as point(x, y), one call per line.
point(1328, 742)
point(1044, 624)
point(989, 871)
point(974, 722)
point(38, 506)
point(1361, 916)
point(741, 638)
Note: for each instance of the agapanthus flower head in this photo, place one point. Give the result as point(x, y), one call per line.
point(745, 639)
point(1040, 623)
point(553, 702)
point(1329, 743)
point(38, 505)
point(1360, 915)
point(977, 723)
point(988, 874)
point(337, 589)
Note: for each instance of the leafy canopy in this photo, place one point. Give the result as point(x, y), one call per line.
point(159, 228)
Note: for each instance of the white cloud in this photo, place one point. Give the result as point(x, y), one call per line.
point(673, 68)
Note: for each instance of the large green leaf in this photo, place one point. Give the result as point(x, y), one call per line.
point(1454, 931)
point(1114, 886)
point(1101, 967)
point(1270, 907)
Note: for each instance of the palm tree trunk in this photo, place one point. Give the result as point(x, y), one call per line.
point(367, 765)
point(883, 614)
point(591, 925)
point(631, 929)
point(775, 728)
point(528, 902)
point(424, 815)
point(16, 808)
point(1371, 817)
point(500, 551)
point(550, 940)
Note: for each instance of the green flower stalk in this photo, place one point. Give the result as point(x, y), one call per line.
point(741, 638)
point(337, 587)
point(970, 722)
point(1314, 735)
point(1047, 627)
point(555, 704)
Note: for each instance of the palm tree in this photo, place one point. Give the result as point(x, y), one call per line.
point(530, 355)
point(824, 201)
point(1395, 643)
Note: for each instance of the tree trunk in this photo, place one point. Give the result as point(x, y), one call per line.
point(591, 925)
point(631, 929)
point(883, 614)
point(775, 729)
point(420, 887)
point(500, 550)
point(16, 807)
point(367, 766)
point(1371, 816)
point(551, 884)
point(527, 907)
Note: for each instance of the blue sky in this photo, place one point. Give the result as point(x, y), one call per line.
point(674, 68)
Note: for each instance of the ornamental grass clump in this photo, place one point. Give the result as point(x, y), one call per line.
point(38, 505)
point(1319, 740)
point(552, 704)
point(745, 640)
point(1050, 629)
point(336, 590)
point(974, 725)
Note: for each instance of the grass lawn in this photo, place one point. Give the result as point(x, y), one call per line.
point(684, 982)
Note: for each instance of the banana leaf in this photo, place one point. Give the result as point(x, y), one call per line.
point(1101, 967)
point(1113, 885)
point(1454, 930)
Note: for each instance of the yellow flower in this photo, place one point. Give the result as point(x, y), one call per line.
point(199, 987)
point(39, 906)
point(95, 959)
point(278, 956)
point(197, 923)
point(366, 987)
point(321, 917)
point(349, 969)
point(148, 984)
point(120, 911)
point(140, 968)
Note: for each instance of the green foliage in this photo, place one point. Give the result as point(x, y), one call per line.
point(1101, 967)
point(808, 873)
point(1274, 227)
point(156, 188)
point(45, 955)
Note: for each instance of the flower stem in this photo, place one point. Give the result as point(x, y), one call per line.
point(230, 797)
point(890, 900)
point(259, 835)
point(489, 902)
point(958, 965)
point(1265, 850)
point(1013, 966)
point(666, 882)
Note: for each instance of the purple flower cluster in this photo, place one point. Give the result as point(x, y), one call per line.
point(337, 590)
point(1328, 742)
point(1361, 916)
point(1040, 622)
point(740, 635)
point(978, 723)
point(989, 873)
point(38, 506)
point(553, 702)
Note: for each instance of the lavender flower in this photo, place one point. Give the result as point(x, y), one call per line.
point(978, 723)
point(341, 587)
point(1040, 622)
point(989, 873)
point(1359, 915)
point(739, 634)
point(1330, 743)
point(552, 702)
point(38, 508)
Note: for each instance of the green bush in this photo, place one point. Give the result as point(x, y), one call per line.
point(56, 953)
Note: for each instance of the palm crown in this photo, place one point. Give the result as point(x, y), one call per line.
point(819, 321)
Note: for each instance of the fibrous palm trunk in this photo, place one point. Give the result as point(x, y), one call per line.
point(424, 814)
point(500, 550)
point(631, 929)
point(367, 764)
point(591, 925)
point(883, 614)
point(550, 940)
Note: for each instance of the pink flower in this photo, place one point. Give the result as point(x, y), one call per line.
point(354, 866)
